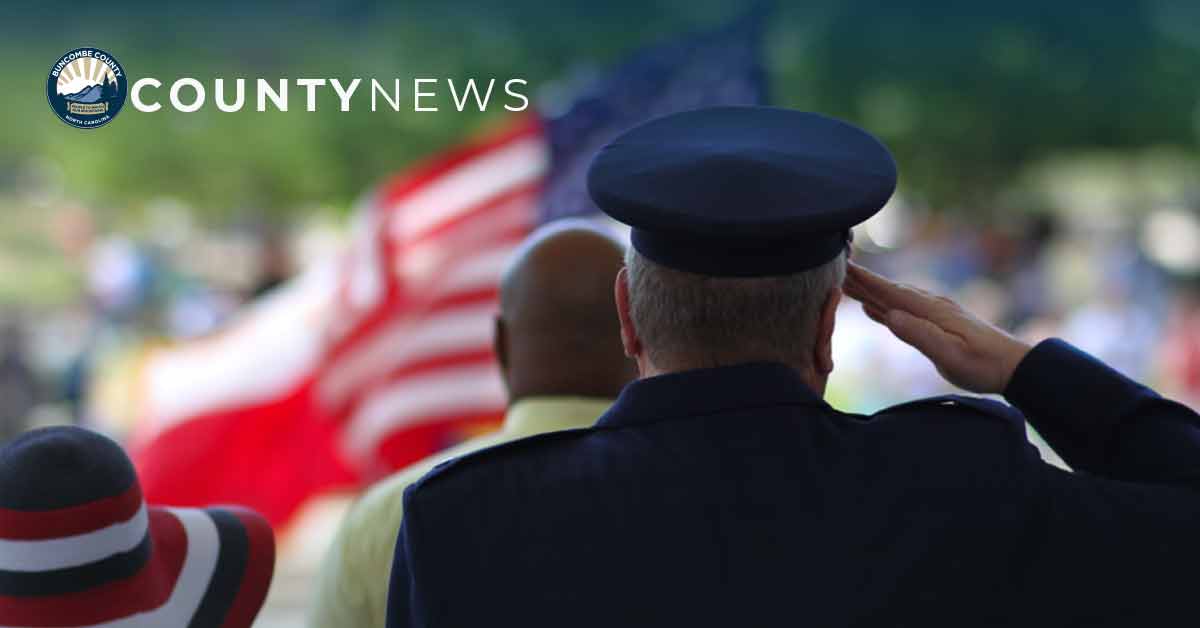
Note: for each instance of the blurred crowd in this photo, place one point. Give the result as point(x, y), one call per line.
point(72, 362)
point(1100, 284)
point(1038, 275)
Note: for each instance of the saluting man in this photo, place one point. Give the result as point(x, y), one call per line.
point(721, 490)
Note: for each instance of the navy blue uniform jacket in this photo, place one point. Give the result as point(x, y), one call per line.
point(736, 497)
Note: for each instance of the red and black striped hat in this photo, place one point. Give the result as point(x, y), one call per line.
point(79, 547)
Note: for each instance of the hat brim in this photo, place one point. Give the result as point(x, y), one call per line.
point(208, 567)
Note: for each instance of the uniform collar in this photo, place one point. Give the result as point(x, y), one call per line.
point(709, 391)
point(535, 415)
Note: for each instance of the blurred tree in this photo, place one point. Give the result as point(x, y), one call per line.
point(964, 93)
point(108, 90)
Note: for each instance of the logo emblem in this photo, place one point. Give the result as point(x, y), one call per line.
point(86, 88)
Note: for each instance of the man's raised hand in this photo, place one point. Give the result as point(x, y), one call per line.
point(968, 352)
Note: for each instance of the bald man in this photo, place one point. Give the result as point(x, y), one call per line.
point(559, 346)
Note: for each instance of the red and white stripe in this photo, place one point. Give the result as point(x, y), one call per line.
point(166, 592)
point(361, 366)
point(73, 551)
point(422, 351)
point(72, 521)
point(262, 355)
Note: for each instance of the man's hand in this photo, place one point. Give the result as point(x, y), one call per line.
point(968, 352)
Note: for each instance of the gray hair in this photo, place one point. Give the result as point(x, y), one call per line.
point(685, 320)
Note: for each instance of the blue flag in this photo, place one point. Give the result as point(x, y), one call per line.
point(719, 67)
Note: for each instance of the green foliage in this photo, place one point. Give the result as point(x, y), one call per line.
point(966, 94)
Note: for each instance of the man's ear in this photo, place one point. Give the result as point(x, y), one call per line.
point(500, 345)
point(823, 350)
point(629, 337)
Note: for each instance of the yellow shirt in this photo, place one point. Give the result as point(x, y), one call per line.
point(353, 585)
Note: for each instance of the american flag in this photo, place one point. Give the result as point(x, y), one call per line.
point(397, 360)
point(413, 369)
point(720, 67)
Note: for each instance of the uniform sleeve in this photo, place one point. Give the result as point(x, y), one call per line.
point(1104, 423)
point(1113, 541)
point(1103, 552)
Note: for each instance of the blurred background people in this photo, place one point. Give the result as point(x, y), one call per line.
point(274, 262)
point(19, 386)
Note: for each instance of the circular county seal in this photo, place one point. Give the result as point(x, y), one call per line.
point(86, 88)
